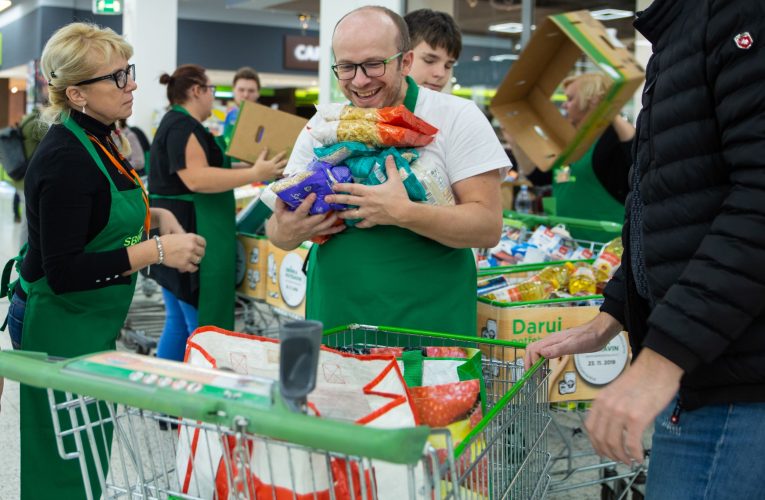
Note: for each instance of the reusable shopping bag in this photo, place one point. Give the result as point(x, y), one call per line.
point(366, 389)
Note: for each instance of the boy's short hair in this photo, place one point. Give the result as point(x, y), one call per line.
point(247, 73)
point(437, 29)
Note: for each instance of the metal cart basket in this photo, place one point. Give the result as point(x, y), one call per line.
point(110, 413)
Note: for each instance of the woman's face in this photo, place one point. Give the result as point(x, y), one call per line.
point(207, 98)
point(104, 101)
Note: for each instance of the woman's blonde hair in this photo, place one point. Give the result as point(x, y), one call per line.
point(592, 88)
point(73, 54)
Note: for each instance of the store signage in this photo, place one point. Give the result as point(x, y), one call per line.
point(107, 7)
point(301, 52)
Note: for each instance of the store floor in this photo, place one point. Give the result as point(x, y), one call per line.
point(9, 412)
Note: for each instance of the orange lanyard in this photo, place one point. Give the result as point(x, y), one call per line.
point(132, 175)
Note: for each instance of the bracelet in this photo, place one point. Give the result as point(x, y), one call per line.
point(160, 249)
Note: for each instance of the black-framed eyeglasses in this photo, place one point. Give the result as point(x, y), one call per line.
point(120, 77)
point(211, 87)
point(371, 69)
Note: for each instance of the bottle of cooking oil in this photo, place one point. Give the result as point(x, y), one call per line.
point(608, 260)
point(532, 289)
point(582, 281)
point(557, 276)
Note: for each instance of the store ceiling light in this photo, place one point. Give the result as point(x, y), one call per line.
point(4, 4)
point(611, 14)
point(507, 28)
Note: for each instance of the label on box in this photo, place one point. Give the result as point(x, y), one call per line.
point(292, 281)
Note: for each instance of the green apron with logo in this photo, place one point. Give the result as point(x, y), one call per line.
point(216, 223)
point(387, 275)
point(72, 324)
point(581, 195)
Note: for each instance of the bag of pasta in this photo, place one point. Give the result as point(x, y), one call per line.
point(369, 132)
point(397, 116)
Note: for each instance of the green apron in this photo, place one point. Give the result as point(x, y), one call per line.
point(387, 275)
point(582, 196)
point(216, 223)
point(67, 325)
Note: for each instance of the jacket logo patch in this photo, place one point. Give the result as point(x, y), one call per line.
point(744, 40)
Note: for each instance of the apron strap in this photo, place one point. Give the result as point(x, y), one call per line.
point(412, 91)
point(6, 286)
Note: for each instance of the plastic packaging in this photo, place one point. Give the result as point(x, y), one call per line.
point(608, 261)
point(533, 289)
point(523, 201)
point(557, 276)
point(582, 281)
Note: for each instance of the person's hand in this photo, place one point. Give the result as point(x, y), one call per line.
point(294, 227)
point(623, 410)
point(167, 223)
point(383, 204)
point(267, 170)
point(183, 251)
point(589, 337)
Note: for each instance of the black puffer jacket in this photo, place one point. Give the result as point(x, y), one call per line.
point(700, 151)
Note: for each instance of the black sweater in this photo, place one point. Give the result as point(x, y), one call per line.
point(67, 203)
point(700, 151)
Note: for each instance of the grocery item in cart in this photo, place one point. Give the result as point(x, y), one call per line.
point(582, 281)
point(366, 389)
point(608, 261)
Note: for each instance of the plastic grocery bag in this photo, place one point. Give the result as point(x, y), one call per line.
point(367, 389)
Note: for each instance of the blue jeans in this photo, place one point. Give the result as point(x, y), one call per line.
point(16, 320)
point(712, 453)
point(180, 322)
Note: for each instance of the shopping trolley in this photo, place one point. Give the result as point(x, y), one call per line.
point(227, 415)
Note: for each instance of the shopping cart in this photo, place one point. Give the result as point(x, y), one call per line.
point(120, 401)
point(574, 463)
point(505, 454)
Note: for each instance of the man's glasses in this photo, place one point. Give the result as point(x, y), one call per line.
point(120, 77)
point(211, 87)
point(371, 69)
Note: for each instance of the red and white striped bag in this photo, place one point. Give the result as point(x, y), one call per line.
point(367, 389)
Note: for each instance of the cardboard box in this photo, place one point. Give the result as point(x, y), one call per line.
point(523, 103)
point(259, 127)
point(286, 282)
point(572, 378)
point(251, 265)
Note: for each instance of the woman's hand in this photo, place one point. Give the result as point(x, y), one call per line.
point(268, 170)
point(165, 221)
point(183, 251)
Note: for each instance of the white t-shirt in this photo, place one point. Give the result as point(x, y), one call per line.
point(465, 144)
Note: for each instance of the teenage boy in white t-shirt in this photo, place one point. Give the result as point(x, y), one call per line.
point(437, 43)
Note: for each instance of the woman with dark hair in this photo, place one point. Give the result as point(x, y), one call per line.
point(191, 177)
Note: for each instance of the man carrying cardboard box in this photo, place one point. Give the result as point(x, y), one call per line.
point(405, 264)
point(691, 285)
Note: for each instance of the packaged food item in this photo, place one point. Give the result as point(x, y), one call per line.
point(608, 261)
point(545, 238)
point(582, 253)
point(438, 191)
point(319, 179)
point(582, 281)
point(533, 289)
point(336, 154)
point(368, 132)
point(393, 115)
point(557, 276)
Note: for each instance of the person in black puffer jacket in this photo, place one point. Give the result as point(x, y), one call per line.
point(691, 288)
